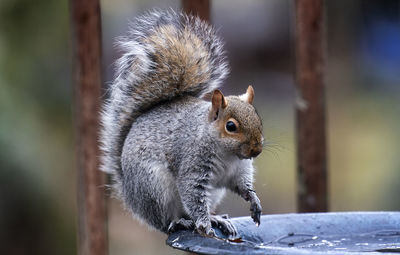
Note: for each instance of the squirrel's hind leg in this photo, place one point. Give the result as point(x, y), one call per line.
point(224, 224)
point(181, 224)
point(149, 191)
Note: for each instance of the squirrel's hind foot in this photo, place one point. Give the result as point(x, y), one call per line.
point(181, 224)
point(224, 224)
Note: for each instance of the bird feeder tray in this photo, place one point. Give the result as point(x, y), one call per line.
point(310, 233)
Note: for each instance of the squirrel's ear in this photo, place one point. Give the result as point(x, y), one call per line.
point(218, 102)
point(248, 96)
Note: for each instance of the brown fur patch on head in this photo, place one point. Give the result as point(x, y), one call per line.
point(180, 56)
point(249, 126)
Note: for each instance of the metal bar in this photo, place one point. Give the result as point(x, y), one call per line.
point(310, 107)
point(199, 8)
point(86, 26)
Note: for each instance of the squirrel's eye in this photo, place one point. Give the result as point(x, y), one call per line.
point(230, 126)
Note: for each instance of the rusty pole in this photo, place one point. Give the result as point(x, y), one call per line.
point(86, 27)
point(310, 112)
point(199, 8)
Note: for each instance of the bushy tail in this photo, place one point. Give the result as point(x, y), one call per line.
point(165, 55)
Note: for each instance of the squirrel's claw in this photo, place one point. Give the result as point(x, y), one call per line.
point(204, 228)
point(256, 209)
point(224, 224)
point(181, 224)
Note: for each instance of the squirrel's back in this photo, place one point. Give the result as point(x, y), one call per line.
point(166, 55)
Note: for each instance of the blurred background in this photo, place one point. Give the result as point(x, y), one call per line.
point(37, 168)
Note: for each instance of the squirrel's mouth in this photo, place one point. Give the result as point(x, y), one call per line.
point(250, 153)
point(241, 157)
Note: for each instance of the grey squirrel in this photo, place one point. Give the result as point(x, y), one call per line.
point(171, 153)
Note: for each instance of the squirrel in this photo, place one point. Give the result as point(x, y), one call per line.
point(172, 153)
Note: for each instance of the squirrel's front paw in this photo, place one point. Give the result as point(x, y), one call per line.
point(255, 208)
point(203, 227)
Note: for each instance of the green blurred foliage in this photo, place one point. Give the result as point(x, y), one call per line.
point(36, 166)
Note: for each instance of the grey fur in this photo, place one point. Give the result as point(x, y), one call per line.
point(169, 162)
point(125, 104)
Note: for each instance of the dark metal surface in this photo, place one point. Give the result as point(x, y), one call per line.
point(316, 233)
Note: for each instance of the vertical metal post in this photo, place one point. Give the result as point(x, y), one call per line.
point(200, 8)
point(86, 27)
point(310, 112)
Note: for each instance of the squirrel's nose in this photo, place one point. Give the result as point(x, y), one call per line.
point(255, 152)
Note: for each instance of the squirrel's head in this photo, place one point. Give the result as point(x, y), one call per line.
point(238, 124)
